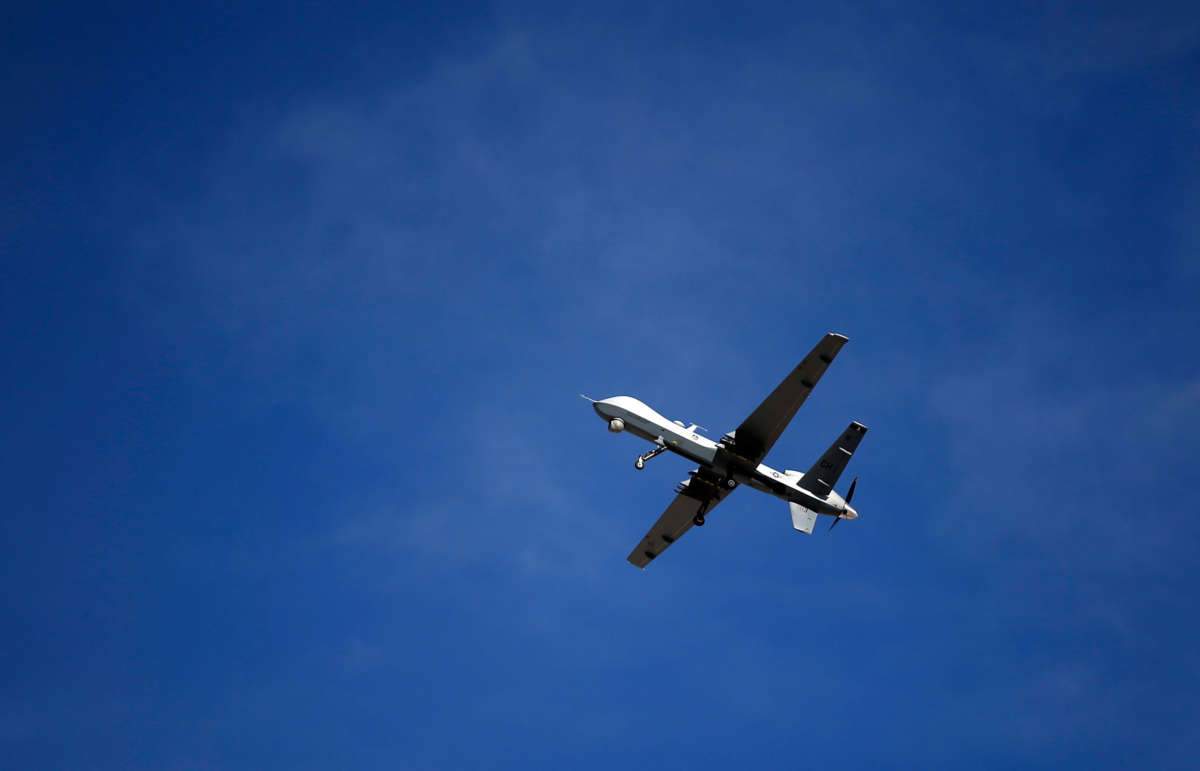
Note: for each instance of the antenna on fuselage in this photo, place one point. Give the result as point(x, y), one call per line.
point(590, 399)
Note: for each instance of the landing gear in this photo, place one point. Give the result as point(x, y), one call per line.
point(698, 520)
point(640, 463)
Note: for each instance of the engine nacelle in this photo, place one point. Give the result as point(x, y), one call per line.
point(616, 425)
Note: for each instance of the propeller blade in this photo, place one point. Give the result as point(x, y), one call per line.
point(850, 492)
point(835, 522)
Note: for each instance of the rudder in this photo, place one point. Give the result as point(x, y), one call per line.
point(802, 519)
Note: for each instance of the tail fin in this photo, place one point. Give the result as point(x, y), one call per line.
point(802, 519)
point(820, 479)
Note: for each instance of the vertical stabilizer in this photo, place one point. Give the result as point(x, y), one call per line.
point(820, 479)
point(802, 519)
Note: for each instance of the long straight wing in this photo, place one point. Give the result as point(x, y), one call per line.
point(702, 494)
point(823, 475)
point(759, 432)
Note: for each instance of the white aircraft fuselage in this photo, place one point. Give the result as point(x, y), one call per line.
point(625, 413)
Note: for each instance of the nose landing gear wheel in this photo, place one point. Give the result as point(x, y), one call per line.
point(698, 520)
point(640, 463)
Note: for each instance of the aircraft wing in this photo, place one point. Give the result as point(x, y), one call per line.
point(758, 433)
point(702, 493)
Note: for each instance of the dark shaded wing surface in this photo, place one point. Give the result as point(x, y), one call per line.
point(759, 432)
point(702, 494)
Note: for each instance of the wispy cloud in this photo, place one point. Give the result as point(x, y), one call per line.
point(430, 270)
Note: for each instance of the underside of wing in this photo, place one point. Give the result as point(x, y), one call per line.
point(698, 496)
point(759, 432)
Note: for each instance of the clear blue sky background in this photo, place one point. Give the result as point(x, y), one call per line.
point(296, 302)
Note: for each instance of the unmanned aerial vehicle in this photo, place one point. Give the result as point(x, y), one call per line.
point(738, 458)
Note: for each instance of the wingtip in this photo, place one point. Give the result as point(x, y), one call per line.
point(839, 336)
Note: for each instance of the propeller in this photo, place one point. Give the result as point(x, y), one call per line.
point(849, 495)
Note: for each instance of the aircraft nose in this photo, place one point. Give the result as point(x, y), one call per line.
point(601, 409)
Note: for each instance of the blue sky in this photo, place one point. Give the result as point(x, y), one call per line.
point(297, 301)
